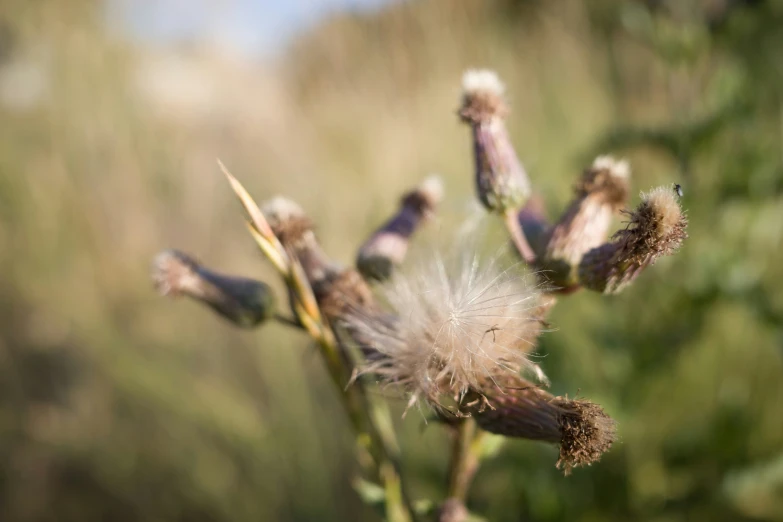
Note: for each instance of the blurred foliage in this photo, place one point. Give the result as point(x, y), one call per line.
point(117, 405)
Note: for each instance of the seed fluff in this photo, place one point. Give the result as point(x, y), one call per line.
point(456, 322)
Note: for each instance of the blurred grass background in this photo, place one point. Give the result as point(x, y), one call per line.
point(118, 405)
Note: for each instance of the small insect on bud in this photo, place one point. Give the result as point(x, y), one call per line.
point(387, 247)
point(601, 191)
point(514, 407)
point(245, 302)
point(656, 228)
point(501, 180)
point(678, 189)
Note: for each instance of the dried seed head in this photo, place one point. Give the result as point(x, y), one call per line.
point(501, 181)
point(514, 407)
point(294, 229)
point(387, 247)
point(600, 192)
point(457, 323)
point(656, 228)
point(245, 302)
point(482, 96)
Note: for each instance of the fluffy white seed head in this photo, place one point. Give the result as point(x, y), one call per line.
point(482, 81)
point(617, 168)
point(458, 322)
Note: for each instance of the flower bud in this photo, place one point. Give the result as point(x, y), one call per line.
point(387, 247)
point(656, 228)
point(601, 191)
point(337, 290)
point(514, 407)
point(245, 302)
point(501, 180)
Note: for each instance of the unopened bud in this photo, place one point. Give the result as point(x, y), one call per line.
point(501, 180)
point(601, 191)
point(294, 229)
point(656, 228)
point(245, 302)
point(387, 247)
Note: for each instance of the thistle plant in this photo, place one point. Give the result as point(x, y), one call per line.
point(453, 333)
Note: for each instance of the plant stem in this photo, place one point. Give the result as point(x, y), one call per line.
point(465, 454)
point(518, 237)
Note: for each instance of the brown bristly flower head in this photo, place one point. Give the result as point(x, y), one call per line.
point(457, 322)
point(656, 228)
point(601, 191)
point(387, 247)
point(501, 180)
point(514, 407)
point(245, 302)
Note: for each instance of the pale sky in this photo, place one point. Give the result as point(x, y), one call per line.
point(249, 26)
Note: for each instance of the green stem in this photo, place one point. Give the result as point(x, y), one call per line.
point(465, 454)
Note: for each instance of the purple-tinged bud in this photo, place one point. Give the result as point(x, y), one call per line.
point(501, 180)
point(388, 246)
point(245, 302)
point(514, 407)
point(601, 191)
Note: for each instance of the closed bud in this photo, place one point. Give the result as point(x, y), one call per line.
point(245, 302)
point(514, 407)
point(337, 290)
point(296, 233)
point(601, 191)
point(501, 180)
point(387, 247)
point(656, 228)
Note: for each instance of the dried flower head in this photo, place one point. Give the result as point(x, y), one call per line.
point(656, 228)
point(514, 407)
point(501, 180)
point(388, 246)
point(294, 229)
point(458, 322)
point(601, 191)
point(245, 302)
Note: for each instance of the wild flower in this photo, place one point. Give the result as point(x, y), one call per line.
point(458, 322)
point(600, 192)
point(245, 302)
point(387, 247)
point(657, 227)
point(501, 180)
point(515, 407)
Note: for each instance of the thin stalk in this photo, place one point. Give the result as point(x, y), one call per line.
point(465, 455)
point(518, 237)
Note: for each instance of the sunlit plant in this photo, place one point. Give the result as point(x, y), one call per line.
point(452, 334)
